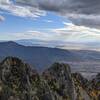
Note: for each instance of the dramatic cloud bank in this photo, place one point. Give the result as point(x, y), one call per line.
point(80, 12)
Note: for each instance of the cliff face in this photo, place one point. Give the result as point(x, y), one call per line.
point(18, 81)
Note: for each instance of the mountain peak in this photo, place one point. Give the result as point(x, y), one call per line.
point(59, 77)
point(16, 79)
point(10, 60)
point(9, 43)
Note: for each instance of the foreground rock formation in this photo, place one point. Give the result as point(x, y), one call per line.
point(18, 81)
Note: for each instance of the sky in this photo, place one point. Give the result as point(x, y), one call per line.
point(74, 23)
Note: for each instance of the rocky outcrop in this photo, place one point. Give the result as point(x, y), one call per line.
point(95, 87)
point(58, 77)
point(85, 89)
point(80, 86)
point(18, 81)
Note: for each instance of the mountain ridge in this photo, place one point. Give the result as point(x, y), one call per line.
point(45, 56)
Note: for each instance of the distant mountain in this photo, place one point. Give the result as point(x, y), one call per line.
point(37, 42)
point(37, 56)
point(31, 42)
point(42, 57)
point(60, 44)
point(18, 81)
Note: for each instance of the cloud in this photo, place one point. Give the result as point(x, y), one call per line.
point(48, 21)
point(2, 18)
point(32, 34)
point(19, 10)
point(80, 12)
point(74, 33)
point(69, 33)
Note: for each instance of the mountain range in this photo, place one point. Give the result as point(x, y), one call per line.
point(42, 57)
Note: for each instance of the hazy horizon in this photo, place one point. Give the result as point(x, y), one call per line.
point(66, 24)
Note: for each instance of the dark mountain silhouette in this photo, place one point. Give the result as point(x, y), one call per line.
point(41, 57)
